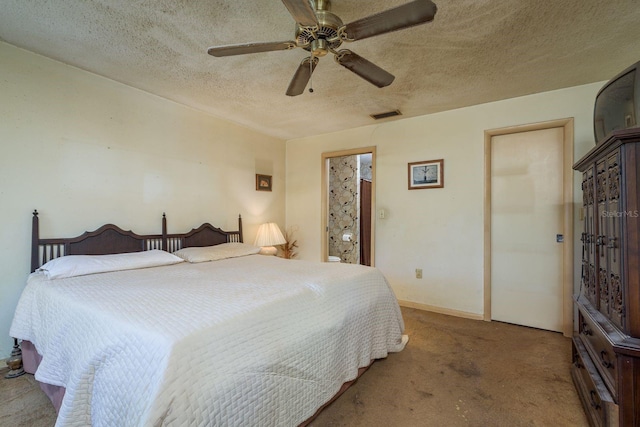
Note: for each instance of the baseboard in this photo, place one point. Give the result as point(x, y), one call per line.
point(441, 310)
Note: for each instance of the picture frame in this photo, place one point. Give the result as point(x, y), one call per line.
point(426, 174)
point(263, 182)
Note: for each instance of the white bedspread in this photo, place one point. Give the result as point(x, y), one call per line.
point(247, 341)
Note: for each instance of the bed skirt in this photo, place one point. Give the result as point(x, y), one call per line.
point(344, 388)
point(30, 361)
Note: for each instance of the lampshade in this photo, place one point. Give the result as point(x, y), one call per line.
point(269, 235)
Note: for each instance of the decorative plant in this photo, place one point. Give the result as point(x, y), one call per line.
point(289, 248)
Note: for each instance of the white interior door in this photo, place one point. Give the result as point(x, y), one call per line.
point(526, 219)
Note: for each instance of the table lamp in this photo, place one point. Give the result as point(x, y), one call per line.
point(269, 235)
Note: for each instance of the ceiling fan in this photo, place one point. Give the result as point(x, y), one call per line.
point(319, 31)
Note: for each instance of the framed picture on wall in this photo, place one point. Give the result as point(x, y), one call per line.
point(263, 182)
point(426, 174)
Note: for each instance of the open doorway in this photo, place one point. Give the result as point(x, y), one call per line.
point(348, 200)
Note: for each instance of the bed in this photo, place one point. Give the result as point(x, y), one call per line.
point(244, 340)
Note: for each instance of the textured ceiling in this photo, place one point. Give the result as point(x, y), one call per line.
point(475, 51)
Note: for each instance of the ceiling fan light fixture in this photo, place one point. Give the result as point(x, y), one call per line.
point(319, 47)
point(326, 30)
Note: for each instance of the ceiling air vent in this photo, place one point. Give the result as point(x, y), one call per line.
point(386, 115)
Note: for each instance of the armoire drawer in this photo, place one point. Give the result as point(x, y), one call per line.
point(600, 350)
point(598, 403)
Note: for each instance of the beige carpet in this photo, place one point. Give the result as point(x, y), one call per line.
point(23, 404)
point(460, 372)
point(453, 372)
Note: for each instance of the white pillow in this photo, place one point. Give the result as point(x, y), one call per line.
point(217, 252)
point(79, 265)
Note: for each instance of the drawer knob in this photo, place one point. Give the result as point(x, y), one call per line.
point(595, 405)
point(604, 360)
point(576, 362)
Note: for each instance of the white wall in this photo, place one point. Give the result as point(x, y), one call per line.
point(437, 230)
point(85, 151)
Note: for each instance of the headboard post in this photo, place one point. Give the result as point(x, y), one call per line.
point(35, 240)
point(164, 232)
point(240, 227)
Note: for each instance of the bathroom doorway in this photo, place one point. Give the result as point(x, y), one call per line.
point(348, 202)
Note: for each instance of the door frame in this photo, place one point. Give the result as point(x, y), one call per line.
point(325, 198)
point(567, 246)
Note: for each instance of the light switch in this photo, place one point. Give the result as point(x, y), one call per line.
point(381, 213)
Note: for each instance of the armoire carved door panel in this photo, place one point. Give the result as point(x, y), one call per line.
point(613, 221)
point(589, 238)
point(601, 237)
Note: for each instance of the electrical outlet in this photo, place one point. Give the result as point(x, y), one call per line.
point(418, 273)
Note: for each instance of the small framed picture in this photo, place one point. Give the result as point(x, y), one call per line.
point(263, 182)
point(426, 174)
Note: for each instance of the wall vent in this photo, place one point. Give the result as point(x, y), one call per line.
point(386, 115)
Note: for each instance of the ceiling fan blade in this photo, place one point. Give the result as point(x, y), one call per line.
point(365, 69)
point(302, 11)
point(301, 77)
point(414, 13)
point(241, 49)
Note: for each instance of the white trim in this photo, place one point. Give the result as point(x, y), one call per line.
point(440, 310)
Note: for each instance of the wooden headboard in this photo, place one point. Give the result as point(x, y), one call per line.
point(111, 239)
point(205, 235)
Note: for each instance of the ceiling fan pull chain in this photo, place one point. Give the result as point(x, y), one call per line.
point(311, 74)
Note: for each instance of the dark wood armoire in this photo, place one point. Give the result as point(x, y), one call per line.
point(606, 347)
